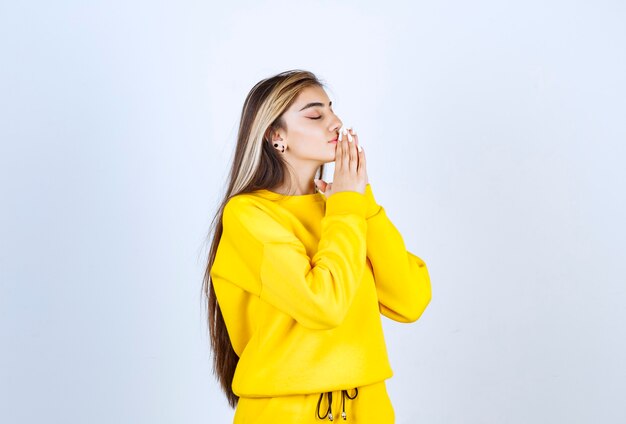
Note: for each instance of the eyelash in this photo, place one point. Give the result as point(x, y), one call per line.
point(320, 117)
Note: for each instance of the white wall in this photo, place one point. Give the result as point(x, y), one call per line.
point(495, 136)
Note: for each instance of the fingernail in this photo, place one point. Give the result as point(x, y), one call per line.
point(350, 137)
point(358, 146)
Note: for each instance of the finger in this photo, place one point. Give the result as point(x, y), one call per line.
point(338, 154)
point(354, 160)
point(321, 185)
point(356, 140)
point(345, 158)
point(362, 161)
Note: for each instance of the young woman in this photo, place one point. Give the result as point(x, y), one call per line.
point(300, 270)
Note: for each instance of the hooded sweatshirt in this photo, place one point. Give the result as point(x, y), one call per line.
point(302, 282)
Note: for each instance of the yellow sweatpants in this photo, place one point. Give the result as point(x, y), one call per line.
point(371, 405)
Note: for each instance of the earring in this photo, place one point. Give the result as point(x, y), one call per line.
point(276, 145)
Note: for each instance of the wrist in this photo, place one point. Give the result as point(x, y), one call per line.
point(371, 207)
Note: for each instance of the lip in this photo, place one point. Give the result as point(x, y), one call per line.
point(334, 140)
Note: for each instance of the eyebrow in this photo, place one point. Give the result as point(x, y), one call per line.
point(313, 104)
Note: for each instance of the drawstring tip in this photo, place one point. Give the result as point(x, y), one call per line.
point(329, 413)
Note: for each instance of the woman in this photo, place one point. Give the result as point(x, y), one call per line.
point(300, 270)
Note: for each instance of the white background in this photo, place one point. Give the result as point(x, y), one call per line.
point(495, 134)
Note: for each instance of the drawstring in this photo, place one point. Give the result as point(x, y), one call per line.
point(343, 401)
point(329, 411)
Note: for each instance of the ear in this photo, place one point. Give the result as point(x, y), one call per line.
point(271, 135)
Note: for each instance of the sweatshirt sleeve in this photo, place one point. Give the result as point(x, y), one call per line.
point(402, 279)
point(263, 256)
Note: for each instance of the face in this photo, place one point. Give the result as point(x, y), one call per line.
point(311, 124)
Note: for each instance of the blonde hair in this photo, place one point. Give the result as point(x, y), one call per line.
point(256, 165)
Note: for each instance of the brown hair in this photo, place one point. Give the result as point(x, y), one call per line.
point(256, 165)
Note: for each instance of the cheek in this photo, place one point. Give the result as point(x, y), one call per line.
point(307, 140)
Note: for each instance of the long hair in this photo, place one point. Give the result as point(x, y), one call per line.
point(256, 165)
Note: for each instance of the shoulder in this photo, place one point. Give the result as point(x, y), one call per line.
point(240, 200)
point(252, 211)
point(252, 215)
point(245, 203)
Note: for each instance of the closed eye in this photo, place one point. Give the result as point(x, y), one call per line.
point(315, 118)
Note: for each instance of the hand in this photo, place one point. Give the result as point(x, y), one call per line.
point(350, 168)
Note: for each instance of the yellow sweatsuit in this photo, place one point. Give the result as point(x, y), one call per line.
point(302, 281)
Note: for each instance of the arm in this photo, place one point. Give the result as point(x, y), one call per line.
point(261, 255)
point(402, 279)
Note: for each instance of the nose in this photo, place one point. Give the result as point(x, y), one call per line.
point(337, 126)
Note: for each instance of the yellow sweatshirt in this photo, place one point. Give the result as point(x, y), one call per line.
point(302, 281)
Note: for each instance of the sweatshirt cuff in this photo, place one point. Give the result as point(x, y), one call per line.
point(345, 202)
point(372, 207)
